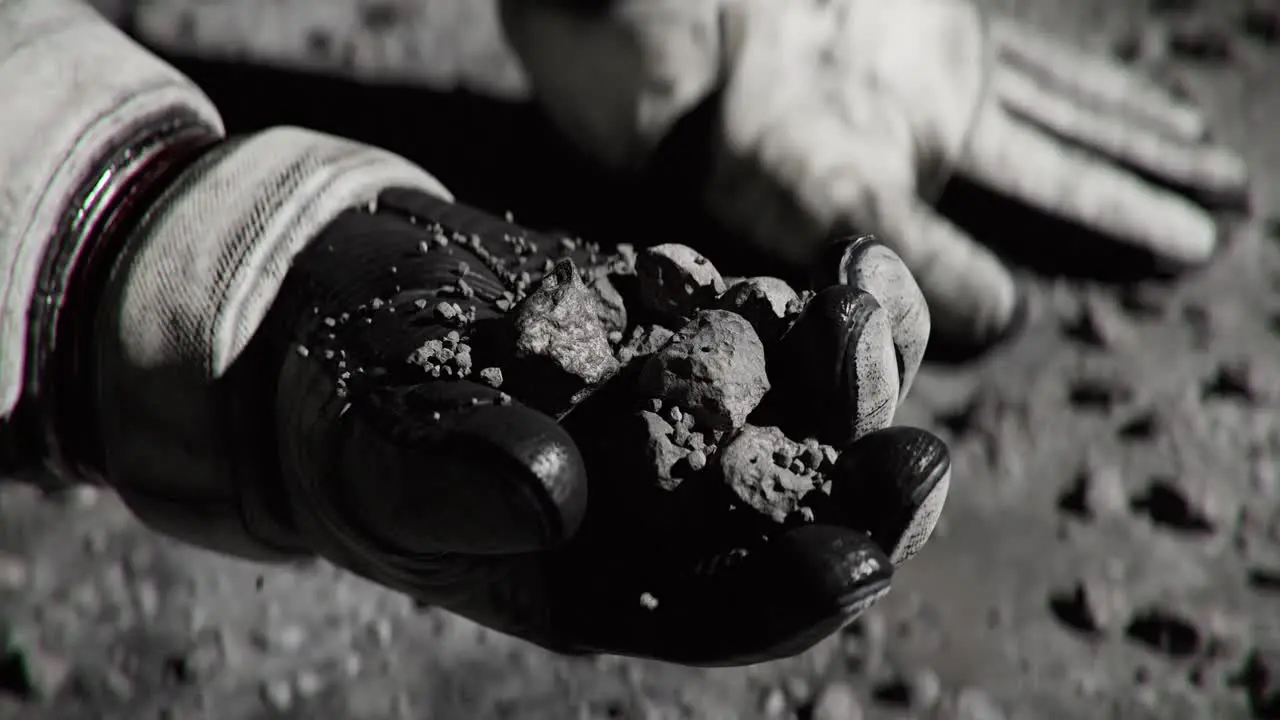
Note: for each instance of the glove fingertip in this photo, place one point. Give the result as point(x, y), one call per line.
point(893, 484)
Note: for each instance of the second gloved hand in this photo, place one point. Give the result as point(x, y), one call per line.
point(852, 113)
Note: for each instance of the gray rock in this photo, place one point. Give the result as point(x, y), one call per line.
point(714, 367)
point(644, 340)
point(661, 452)
point(30, 671)
point(756, 467)
point(1101, 325)
point(675, 280)
point(559, 349)
point(558, 321)
point(976, 704)
point(14, 573)
point(837, 701)
point(763, 301)
point(610, 308)
point(1092, 606)
point(277, 695)
point(1097, 492)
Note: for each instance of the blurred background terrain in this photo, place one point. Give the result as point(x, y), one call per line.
point(1111, 547)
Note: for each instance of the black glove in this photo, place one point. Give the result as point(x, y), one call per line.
point(449, 489)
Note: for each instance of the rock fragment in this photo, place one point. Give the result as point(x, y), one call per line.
point(610, 308)
point(1091, 606)
point(976, 704)
point(31, 672)
point(558, 348)
point(757, 466)
point(673, 449)
point(14, 573)
point(1097, 491)
point(837, 701)
point(1261, 680)
point(764, 301)
point(714, 367)
point(557, 322)
point(644, 340)
point(492, 377)
point(203, 658)
point(676, 279)
point(277, 695)
point(448, 357)
point(1100, 325)
point(661, 452)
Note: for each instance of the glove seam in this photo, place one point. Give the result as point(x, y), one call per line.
point(50, 428)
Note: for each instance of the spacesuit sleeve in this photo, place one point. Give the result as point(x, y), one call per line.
point(140, 250)
point(79, 99)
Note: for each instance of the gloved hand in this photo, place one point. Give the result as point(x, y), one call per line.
point(446, 488)
point(257, 415)
point(852, 112)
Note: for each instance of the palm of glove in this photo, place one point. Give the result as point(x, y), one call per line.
point(851, 113)
point(602, 524)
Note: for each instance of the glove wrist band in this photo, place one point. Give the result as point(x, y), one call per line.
point(59, 404)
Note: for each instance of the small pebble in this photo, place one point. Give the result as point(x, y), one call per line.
point(352, 665)
point(697, 460)
point(837, 701)
point(492, 377)
point(13, 573)
point(976, 704)
point(1098, 491)
point(291, 638)
point(308, 684)
point(277, 695)
point(676, 279)
point(1093, 606)
point(32, 672)
point(1099, 324)
point(382, 632)
point(775, 704)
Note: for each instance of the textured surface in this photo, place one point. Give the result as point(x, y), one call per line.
point(1111, 547)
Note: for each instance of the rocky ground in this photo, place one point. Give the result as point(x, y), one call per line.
point(1111, 547)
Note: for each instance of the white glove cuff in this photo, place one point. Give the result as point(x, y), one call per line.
point(182, 419)
point(80, 97)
